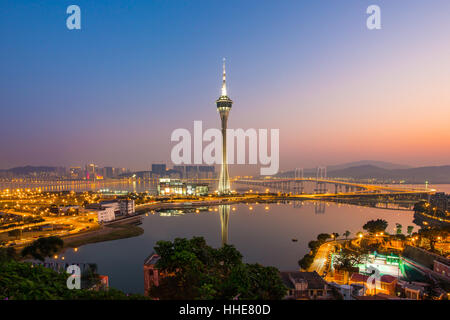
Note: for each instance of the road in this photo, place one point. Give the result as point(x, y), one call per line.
point(320, 261)
point(78, 224)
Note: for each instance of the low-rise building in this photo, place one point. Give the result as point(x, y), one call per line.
point(305, 285)
point(349, 292)
point(342, 276)
point(385, 285)
point(442, 268)
point(152, 275)
point(106, 214)
point(413, 292)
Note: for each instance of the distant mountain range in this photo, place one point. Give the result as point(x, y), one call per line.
point(30, 169)
point(379, 164)
point(383, 171)
point(360, 170)
point(436, 174)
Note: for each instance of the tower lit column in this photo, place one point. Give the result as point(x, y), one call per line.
point(224, 106)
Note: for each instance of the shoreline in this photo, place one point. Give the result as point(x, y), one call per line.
point(103, 234)
point(126, 227)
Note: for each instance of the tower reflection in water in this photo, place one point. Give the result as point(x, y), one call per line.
point(224, 211)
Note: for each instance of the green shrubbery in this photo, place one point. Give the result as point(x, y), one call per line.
point(314, 245)
point(23, 281)
point(197, 271)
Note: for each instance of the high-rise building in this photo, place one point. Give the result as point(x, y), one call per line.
point(224, 106)
point(76, 172)
point(192, 172)
point(195, 172)
point(206, 172)
point(91, 171)
point(181, 170)
point(108, 172)
point(158, 169)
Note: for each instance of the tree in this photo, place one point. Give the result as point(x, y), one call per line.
point(374, 226)
point(433, 235)
point(335, 235)
point(400, 236)
point(194, 270)
point(398, 228)
point(421, 206)
point(306, 261)
point(258, 282)
point(314, 245)
point(347, 259)
point(7, 254)
point(346, 234)
point(23, 281)
point(322, 237)
point(43, 247)
point(410, 230)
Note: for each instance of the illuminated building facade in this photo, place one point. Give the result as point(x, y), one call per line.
point(168, 187)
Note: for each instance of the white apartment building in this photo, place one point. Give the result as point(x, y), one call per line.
point(106, 214)
point(126, 207)
point(112, 204)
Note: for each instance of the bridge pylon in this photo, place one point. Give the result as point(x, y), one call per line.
point(321, 174)
point(298, 180)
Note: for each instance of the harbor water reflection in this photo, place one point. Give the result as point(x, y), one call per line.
point(263, 233)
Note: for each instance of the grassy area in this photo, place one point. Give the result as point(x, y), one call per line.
point(107, 233)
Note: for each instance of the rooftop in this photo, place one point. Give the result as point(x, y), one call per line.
point(358, 277)
point(312, 278)
point(151, 259)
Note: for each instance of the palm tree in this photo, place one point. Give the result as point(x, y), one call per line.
point(398, 226)
point(410, 230)
point(335, 235)
point(346, 234)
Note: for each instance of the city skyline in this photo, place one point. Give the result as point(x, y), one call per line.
point(123, 176)
point(337, 94)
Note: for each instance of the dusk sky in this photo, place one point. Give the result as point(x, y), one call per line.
point(113, 92)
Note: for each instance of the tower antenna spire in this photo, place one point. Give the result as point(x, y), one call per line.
point(224, 81)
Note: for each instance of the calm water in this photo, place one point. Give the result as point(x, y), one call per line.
point(262, 235)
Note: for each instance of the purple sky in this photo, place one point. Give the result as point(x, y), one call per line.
point(112, 92)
